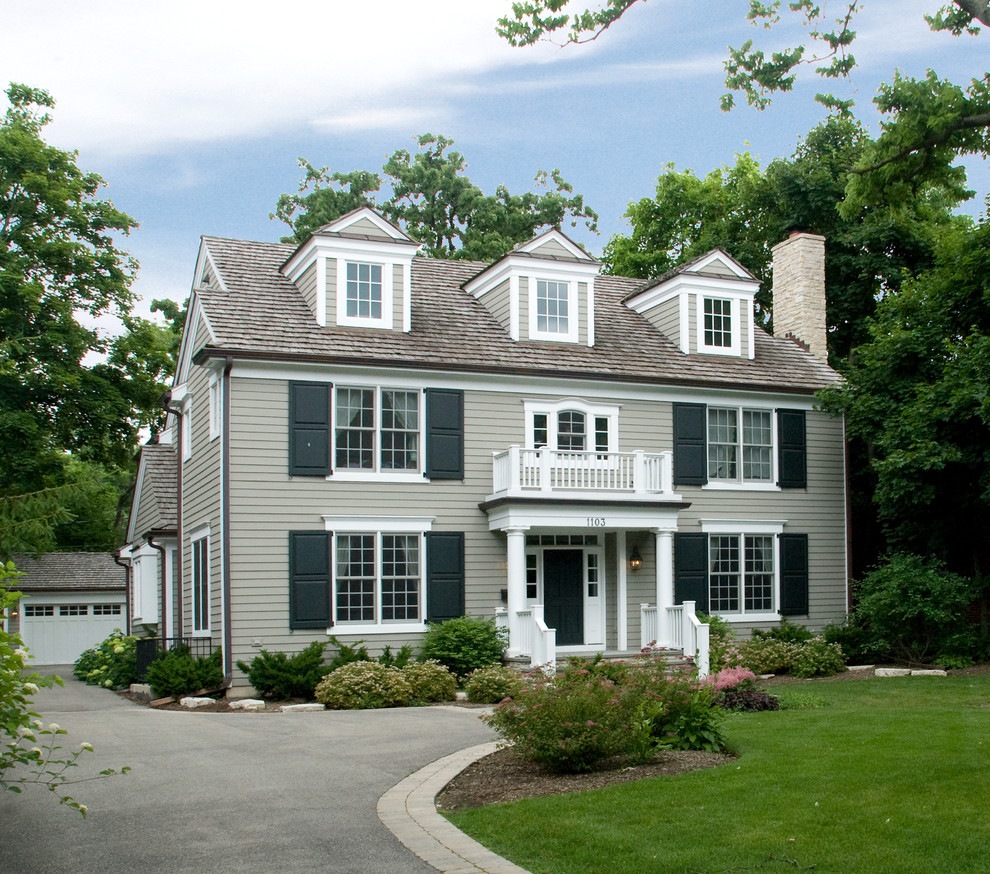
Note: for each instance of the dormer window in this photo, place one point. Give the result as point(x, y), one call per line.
point(718, 322)
point(552, 310)
point(365, 295)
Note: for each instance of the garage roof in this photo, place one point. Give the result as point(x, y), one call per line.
point(70, 571)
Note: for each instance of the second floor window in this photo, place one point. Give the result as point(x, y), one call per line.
point(572, 430)
point(364, 291)
point(740, 445)
point(377, 429)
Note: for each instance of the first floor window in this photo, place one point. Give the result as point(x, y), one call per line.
point(201, 585)
point(378, 577)
point(741, 573)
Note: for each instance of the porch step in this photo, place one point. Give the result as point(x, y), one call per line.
point(674, 658)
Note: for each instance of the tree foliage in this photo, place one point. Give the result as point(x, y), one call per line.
point(434, 202)
point(745, 210)
point(916, 394)
point(929, 122)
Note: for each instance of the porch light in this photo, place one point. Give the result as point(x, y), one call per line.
point(635, 560)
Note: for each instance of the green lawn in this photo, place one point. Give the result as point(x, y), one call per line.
point(882, 775)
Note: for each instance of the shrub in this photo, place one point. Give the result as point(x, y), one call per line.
point(723, 651)
point(730, 678)
point(177, 672)
point(430, 681)
point(399, 660)
point(492, 685)
point(747, 700)
point(276, 675)
point(858, 646)
point(684, 715)
point(570, 724)
point(363, 685)
point(787, 631)
point(767, 656)
point(111, 664)
point(909, 606)
point(465, 644)
point(818, 658)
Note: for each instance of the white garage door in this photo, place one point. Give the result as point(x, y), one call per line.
point(56, 629)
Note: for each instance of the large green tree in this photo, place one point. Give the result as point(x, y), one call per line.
point(72, 401)
point(917, 394)
point(928, 122)
point(435, 202)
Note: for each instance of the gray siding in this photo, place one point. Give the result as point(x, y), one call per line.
point(307, 287)
point(552, 249)
point(368, 227)
point(499, 304)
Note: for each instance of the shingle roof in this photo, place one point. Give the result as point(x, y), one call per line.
point(161, 479)
point(262, 314)
point(75, 571)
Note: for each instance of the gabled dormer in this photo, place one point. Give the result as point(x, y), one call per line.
point(705, 306)
point(356, 271)
point(542, 290)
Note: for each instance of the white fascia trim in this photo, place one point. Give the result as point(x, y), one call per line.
point(558, 237)
point(205, 257)
point(385, 524)
point(690, 283)
point(321, 292)
point(742, 526)
point(735, 486)
point(591, 312)
point(199, 532)
point(407, 296)
point(135, 501)
point(189, 332)
point(514, 307)
point(341, 224)
point(726, 259)
point(547, 269)
point(333, 247)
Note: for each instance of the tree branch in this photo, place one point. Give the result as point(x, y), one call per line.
point(979, 9)
point(966, 123)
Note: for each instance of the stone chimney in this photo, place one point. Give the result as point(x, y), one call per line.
point(799, 291)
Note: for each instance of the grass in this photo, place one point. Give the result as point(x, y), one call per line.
point(886, 776)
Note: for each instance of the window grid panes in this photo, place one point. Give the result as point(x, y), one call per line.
point(718, 322)
point(400, 577)
point(562, 540)
point(400, 430)
point(551, 307)
point(540, 433)
point(570, 430)
point(376, 429)
point(728, 442)
point(364, 291)
point(601, 433)
point(356, 578)
point(593, 571)
point(201, 584)
point(355, 428)
point(39, 610)
point(73, 610)
point(741, 573)
point(759, 581)
point(723, 579)
point(531, 575)
point(106, 609)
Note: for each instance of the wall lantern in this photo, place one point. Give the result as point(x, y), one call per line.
point(635, 560)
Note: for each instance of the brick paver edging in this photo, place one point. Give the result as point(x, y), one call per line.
point(409, 812)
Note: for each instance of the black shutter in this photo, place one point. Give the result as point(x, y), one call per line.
point(690, 444)
point(309, 579)
point(444, 575)
point(444, 433)
point(793, 574)
point(792, 450)
point(309, 428)
point(691, 570)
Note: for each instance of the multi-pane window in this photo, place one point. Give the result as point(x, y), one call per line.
point(568, 430)
point(364, 291)
point(740, 452)
point(741, 575)
point(377, 429)
point(594, 570)
point(378, 577)
point(531, 575)
point(39, 610)
point(551, 307)
point(73, 610)
point(106, 609)
point(718, 322)
point(201, 585)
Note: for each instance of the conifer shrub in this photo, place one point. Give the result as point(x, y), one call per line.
point(178, 672)
point(465, 644)
point(280, 676)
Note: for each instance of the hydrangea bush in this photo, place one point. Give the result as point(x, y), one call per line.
point(493, 684)
point(362, 685)
point(430, 681)
point(111, 664)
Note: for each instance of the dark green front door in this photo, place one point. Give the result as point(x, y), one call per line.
point(563, 590)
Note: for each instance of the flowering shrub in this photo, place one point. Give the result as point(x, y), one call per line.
point(812, 658)
point(430, 681)
point(768, 655)
point(362, 685)
point(818, 658)
point(492, 684)
point(730, 678)
point(465, 644)
point(111, 664)
point(29, 750)
point(723, 651)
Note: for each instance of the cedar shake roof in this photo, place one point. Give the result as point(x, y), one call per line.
point(263, 315)
point(70, 571)
point(161, 481)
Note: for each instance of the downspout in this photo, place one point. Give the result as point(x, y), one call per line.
point(127, 566)
point(228, 669)
point(166, 402)
point(163, 624)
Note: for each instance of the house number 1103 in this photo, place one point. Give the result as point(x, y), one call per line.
point(596, 521)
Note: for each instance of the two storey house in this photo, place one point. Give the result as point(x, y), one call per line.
point(367, 440)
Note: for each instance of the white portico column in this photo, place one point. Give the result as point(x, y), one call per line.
point(665, 576)
point(516, 601)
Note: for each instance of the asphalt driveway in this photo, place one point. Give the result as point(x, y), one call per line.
point(214, 792)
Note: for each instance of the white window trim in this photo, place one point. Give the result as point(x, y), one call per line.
point(146, 578)
point(572, 333)
point(739, 484)
point(377, 475)
point(197, 535)
point(740, 529)
point(216, 390)
point(591, 412)
point(735, 348)
point(385, 321)
point(379, 525)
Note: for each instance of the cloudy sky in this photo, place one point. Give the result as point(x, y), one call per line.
point(196, 113)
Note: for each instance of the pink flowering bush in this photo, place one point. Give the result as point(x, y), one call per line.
point(730, 678)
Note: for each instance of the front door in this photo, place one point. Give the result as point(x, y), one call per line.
point(563, 594)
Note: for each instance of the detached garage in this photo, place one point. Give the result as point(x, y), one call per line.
point(73, 600)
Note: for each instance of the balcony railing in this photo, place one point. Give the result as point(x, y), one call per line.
point(520, 471)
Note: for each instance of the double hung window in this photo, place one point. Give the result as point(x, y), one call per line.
point(201, 586)
point(364, 291)
point(378, 577)
point(552, 307)
point(718, 322)
point(740, 445)
point(741, 573)
point(377, 429)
